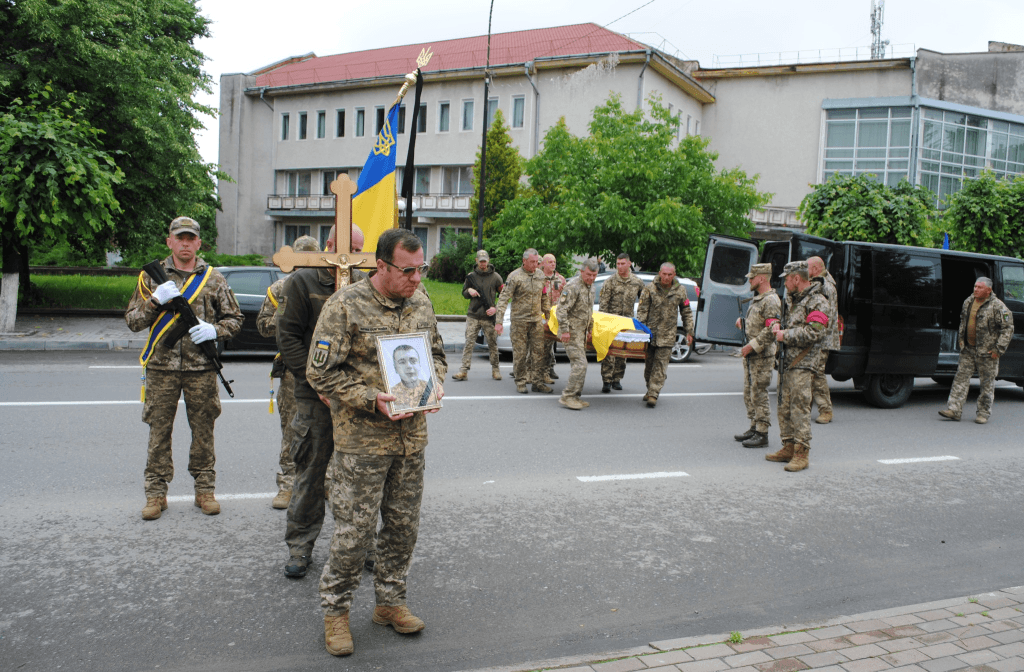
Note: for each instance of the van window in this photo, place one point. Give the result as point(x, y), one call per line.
point(905, 279)
point(730, 265)
point(1013, 283)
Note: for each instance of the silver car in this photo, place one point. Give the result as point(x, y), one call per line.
point(680, 351)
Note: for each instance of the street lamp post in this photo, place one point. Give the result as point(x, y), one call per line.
point(483, 144)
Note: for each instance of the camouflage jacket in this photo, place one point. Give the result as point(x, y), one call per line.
point(828, 288)
point(575, 310)
point(806, 322)
point(343, 366)
point(530, 303)
point(266, 322)
point(993, 326)
point(658, 309)
point(215, 304)
point(619, 294)
point(765, 309)
point(553, 286)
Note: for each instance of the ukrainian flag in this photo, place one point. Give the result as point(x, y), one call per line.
point(373, 206)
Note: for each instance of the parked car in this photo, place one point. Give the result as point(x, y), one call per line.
point(680, 352)
point(249, 284)
point(900, 306)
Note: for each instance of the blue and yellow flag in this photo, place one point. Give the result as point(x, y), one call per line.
point(373, 206)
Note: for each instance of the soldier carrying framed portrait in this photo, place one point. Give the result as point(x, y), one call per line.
point(408, 371)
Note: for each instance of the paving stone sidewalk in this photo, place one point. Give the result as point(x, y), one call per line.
point(981, 633)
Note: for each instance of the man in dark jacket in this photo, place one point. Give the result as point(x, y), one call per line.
point(481, 287)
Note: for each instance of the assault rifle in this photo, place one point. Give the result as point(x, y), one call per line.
point(781, 354)
point(471, 282)
point(186, 320)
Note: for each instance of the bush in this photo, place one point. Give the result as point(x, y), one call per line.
point(160, 251)
point(454, 260)
point(63, 254)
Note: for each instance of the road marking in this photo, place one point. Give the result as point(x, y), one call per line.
point(133, 366)
point(247, 495)
point(908, 460)
point(628, 477)
point(114, 403)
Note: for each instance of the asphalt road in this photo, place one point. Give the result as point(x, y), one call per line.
point(518, 559)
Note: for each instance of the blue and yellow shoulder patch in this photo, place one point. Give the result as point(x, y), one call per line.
point(321, 350)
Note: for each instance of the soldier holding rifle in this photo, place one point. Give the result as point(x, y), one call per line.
point(481, 287)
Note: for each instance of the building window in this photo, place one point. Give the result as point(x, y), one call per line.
point(421, 233)
point(443, 114)
point(360, 122)
point(689, 120)
point(325, 231)
point(518, 111)
point(422, 185)
point(870, 140)
point(380, 120)
point(285, 120)
point(492, 107)
point(305, 181)
point(696, 127)
point(467, 115)
point(421, 121)
point(328, 177)
point(401, 118)
point(291, 232)
point(339, 123)
point(448, 234)
point(457, 180)
point(302, 125)
point(321, 124)
point(291, 183)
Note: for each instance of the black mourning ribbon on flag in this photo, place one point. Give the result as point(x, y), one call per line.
point(409, 179)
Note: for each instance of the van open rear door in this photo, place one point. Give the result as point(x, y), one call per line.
point(723, 288)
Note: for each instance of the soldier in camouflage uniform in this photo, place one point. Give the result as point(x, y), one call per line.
point(618, 296)
point(554, 283)
point(806, 322)
point(524, 288)
point(986, 327)
point(266, 324)
point(759, 355)
point(377, 465)
point(660, 302)
point(183, 368)
point(575, 315)
point(481, 288)
point(819, 388)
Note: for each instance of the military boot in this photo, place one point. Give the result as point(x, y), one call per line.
point(296, 566)
point(746, 435)
point(616, 385)
point(281, 499)
point(552, 374)
point(784, 454)
point(461, 375)
point(154, 507)
point(496, 374)
point(606, 388)
point(337, 636)
point(206, 502)
point(758, 440)
point(652, 401)
point(399, 618)
point(952, 415)
point(571, 403)
point(799, 461)
point(542, 388)
point(824, 417)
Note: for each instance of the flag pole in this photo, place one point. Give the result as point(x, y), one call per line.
point(483, 144)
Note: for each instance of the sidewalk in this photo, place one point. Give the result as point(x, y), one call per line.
point(45, 332)
point(982, 633)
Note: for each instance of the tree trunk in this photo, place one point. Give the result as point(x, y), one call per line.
point(9, 286)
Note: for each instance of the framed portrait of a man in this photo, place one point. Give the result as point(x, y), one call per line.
point(407, 368)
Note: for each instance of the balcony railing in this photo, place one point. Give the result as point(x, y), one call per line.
point(452, 202)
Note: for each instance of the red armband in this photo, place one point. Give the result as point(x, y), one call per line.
point(819, 317)
point(770, 321)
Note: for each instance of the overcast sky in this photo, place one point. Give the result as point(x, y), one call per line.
point(247, 36)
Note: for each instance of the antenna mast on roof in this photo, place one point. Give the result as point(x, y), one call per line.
point(878, 45)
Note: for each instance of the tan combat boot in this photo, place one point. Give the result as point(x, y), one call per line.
point(399, 618)
point(799, 461)
point(461, 375)
point(495, 374)
point(207, 503)
point(572, 403)
point(824, 417)
point(282, 499)
point(337, 636)
point(784, 454)
point(154, 506)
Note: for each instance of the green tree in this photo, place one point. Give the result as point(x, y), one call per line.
point(987, 215)
point(629, 186)
point(862, 208)
point(504, 168)
point(54, 181)
point(134, 70)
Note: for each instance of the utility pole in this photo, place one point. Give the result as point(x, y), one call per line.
point(483, 144)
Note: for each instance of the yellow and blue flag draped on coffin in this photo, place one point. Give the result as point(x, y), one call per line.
point(373, 206)
point(606, 328)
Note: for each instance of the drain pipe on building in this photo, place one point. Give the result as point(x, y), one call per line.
point(536, 110)
point(640, 82)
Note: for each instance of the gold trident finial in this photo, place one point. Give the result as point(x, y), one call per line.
point(424, 57)
point(410, 79)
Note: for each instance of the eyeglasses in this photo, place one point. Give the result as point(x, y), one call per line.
point(408, 270)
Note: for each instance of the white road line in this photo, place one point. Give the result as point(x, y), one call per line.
point(117, 403)
point(133, 366)
point(908, 460)
point(628, 477)
point(247, 495)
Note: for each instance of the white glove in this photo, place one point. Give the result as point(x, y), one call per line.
point(165, 292)
point(204, 331)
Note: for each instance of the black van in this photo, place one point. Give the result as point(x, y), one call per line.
point(901, 306)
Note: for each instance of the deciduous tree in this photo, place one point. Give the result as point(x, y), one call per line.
point(987, 215)
point(504, 169)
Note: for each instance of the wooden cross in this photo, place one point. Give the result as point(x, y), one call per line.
point(343, 259)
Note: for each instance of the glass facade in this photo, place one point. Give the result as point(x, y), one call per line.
point(956, 145)
point(873, 140)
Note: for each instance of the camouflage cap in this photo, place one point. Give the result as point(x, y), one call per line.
point(794, 267)
point(184, 224)
point(759, 269)
point(306, 244)
point(482, 254)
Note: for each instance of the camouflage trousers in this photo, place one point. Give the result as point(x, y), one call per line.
point(612, 369)
point(971, 360)
point(361, 486)
point(286, 411)
point(819, 388)
point(795, 407)
point(757, 376)
point(549, 357)
point(656, 369)
point(577, 352)
point(473, 327)
point(312, 446)
point(202, 406)
point(528, 358)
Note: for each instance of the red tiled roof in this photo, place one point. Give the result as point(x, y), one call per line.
point(467, 52)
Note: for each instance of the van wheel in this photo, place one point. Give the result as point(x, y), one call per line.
point(888, 390)
point(680, 350)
